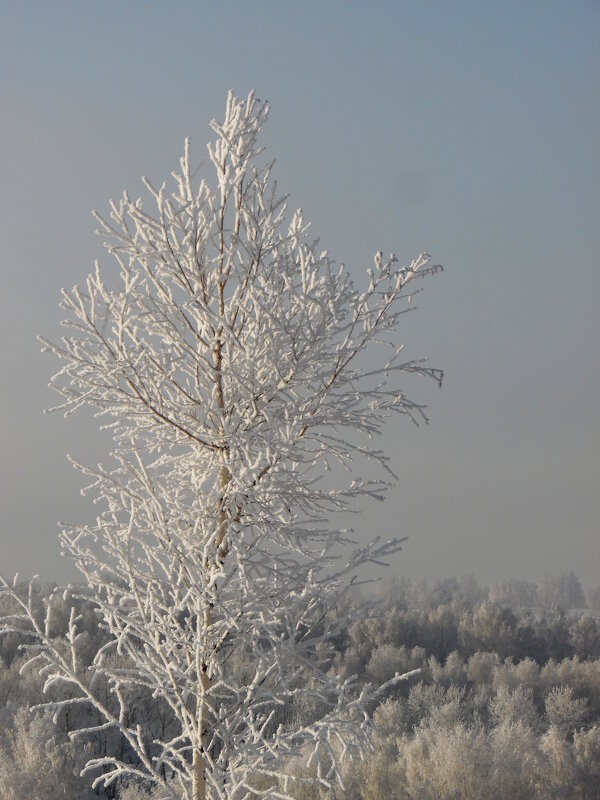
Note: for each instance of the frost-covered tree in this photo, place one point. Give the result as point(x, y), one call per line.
point(514, 593)
point(227, 358)
point(564, 711)
point(36, 762)
point(509, 707)
point(562, 590)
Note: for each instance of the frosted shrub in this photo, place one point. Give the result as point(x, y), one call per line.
point(386, 660)
point(392, 719)
point(586, 750)
point(512, 707)
point(449, 713)
point(563, 711)
point(559, 770)
point(448, 764)
point(516, 761)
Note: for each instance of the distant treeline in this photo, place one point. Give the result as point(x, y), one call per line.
point(506, 704)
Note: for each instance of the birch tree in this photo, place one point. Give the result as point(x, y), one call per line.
point(227, 359)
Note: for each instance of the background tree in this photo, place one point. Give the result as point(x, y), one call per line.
point(35, 761)
point(593, 599)
point(227, 365)
point(562, 590)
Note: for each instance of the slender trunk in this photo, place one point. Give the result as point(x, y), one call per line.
point(198, 776)
point(199, 759)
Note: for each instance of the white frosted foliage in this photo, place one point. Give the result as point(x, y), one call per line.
point(227, 360)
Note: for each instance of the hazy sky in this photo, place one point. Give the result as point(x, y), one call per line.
point(466, 129)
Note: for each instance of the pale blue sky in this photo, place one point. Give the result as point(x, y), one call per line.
point(467, 129)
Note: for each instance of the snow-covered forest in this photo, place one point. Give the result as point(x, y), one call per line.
point(506, 705)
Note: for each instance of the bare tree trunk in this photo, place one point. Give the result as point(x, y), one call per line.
point(198, 776)
point(199, 762)
point(199, 759)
